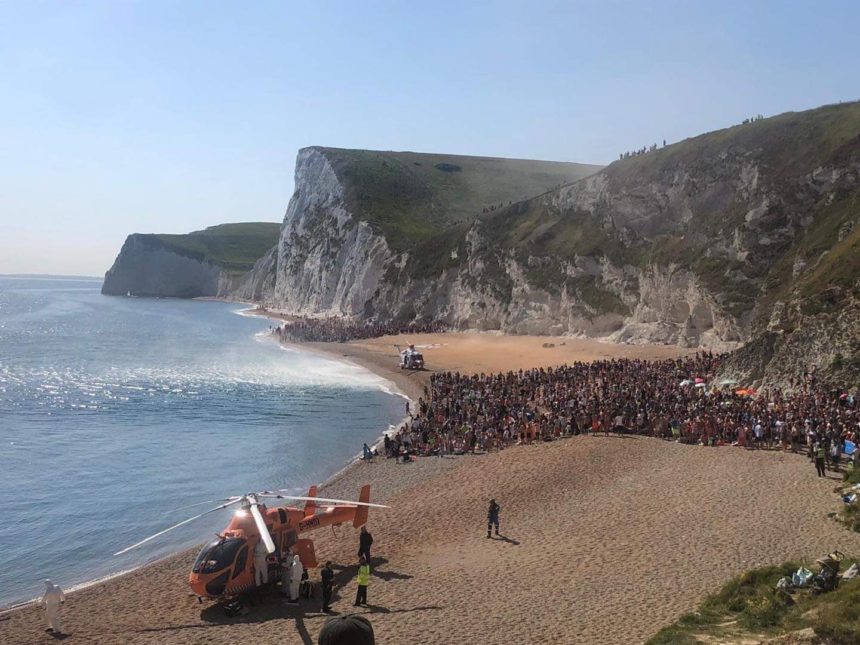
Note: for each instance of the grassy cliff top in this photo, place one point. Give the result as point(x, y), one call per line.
point(234, 247)
point(788, 145)
point(410, 196)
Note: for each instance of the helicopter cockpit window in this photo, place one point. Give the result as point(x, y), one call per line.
point(217, 555)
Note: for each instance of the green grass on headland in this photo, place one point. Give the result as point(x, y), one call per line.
point(748, 608)
point(410, 197)
point(234, 247)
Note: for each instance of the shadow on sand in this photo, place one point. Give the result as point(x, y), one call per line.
point(264, 604)
point(505, 538)
point(377, 609)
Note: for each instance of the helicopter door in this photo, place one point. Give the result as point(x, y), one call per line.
point(284, 540)
point(305, 550)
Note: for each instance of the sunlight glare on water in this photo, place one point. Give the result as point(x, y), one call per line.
point(114, 411)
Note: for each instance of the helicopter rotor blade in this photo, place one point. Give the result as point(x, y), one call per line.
point(210, 501)
point(261, 526)
point(176, 526)
point(297, 498)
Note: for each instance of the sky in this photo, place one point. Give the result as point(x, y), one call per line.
point(119, 117)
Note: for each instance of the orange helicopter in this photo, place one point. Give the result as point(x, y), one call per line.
point(224, 569)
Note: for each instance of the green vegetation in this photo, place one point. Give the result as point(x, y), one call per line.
point(438, 253)
point(850, 513)
point(410, 196)
point(748, 607)
point(601, 300)
point(234, 247)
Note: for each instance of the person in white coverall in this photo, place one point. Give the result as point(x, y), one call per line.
point(286, 564)
point(296, 572)
point(51, 601)
point(261, 567)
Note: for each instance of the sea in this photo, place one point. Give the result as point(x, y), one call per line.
point(118, 413)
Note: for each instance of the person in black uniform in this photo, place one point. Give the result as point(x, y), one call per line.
point(493, 517)
point(327, 576)
point(365, 540)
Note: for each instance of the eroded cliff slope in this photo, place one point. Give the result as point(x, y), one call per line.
point(713, 241)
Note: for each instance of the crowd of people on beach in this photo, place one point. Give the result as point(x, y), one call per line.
point(673, 399)
point(336, 329)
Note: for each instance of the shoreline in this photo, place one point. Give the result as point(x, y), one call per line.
point(338, 471)
point(671, 511)
point(407, 384)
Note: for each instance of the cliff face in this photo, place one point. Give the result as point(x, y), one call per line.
point(329, 261)
point(745, 234)
point(258, 285)
point(230, 260)
point(144, 268)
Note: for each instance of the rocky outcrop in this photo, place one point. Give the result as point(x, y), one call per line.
point(825, 344)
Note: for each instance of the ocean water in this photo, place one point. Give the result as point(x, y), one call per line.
point(115, 412)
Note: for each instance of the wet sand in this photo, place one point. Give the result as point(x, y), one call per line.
point(605, 539)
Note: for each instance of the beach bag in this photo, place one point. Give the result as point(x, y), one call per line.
point(801, 577)
point(852, 572)
point(784, 583)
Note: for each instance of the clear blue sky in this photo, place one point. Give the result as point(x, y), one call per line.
point(120, 117)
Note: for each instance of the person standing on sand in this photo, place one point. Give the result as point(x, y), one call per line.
point(261, 567)
point(285, 564)
point(327, 577)
point(819, 458)
point(296, 571)
point(365, 541)
point(363, 580)
point(493, 517)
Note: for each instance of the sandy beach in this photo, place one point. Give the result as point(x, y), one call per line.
point(605, 539)
point(473, 353)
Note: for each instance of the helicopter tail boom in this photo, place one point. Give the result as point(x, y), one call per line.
point(360, 518)
point(311, 505)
